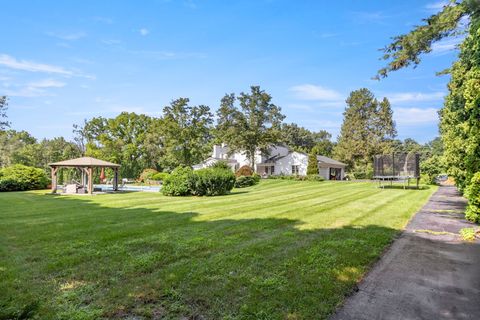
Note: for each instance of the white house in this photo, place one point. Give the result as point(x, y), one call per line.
point(279, 160)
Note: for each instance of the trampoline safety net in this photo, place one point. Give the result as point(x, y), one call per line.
point(406, 165)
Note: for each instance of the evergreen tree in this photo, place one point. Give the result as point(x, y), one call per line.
point(367, 129)
point(312, 167)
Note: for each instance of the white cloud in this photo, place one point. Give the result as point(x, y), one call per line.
point(47, 83)
point(167, 55)
point(415, 116)
point(31, 66)
point(314, 92)
point(436, 6)
point(446, 45)
point(414, 97)
point(302, 107)
point(111, 42)
point(68, 36)
point(144, 31)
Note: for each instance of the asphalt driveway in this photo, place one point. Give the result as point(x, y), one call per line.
point(427, 273)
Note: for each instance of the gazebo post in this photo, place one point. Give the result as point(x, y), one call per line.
point(54, 179)
point(115, 179)
point(90, 180)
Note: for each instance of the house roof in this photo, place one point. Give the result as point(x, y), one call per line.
point(84, 162)
point(328, 160)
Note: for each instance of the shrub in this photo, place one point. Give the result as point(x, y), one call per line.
point(179, 182)
point(147, 174)
point(472, 193)
point(212, 182)
point(204, 182)
point(315, 177)
point(310, 177)
point(246, 181)
point(221, 165)
point(160, 176)
point(244, 171)
point(20, 178)
point(467, 234)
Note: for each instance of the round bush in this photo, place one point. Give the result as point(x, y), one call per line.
point(245, 181)
point(20, 178)
point(244, 171)
point(212, 182)
point(179, 182)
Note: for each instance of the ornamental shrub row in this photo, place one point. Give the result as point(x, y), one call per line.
point(20, 178)
point(204, 182)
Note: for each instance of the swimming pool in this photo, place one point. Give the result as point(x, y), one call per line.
point(109, 187)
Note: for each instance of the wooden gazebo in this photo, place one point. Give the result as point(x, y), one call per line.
point(86, 165)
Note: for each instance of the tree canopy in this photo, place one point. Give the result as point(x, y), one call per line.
point(252, 125)
point(368, 129)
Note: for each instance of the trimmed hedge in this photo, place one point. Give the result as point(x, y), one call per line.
point(472, 193)
point(246, 181)
point(204, 182)
point(21, 178)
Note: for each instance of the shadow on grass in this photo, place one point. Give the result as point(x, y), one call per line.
point(74, 258)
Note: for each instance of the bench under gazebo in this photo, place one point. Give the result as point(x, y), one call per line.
point(86, 165)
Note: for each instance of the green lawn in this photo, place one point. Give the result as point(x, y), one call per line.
point(278, 250)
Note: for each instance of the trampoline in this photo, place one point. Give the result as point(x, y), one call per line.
point(396, 167)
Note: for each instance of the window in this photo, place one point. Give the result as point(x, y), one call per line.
point(272, 169)
point(295, 169)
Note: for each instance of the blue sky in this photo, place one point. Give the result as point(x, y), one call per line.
point(62, 62)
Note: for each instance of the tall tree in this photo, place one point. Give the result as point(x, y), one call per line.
point(187, 133)
point(3, 113)
point(367, 129)
point(251, 126)
point(120, 139)
point(460, 116)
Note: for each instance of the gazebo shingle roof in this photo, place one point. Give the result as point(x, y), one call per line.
point(84, 162)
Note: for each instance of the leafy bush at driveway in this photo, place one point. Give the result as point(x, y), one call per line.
point(20, 178)
point(472, 193)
